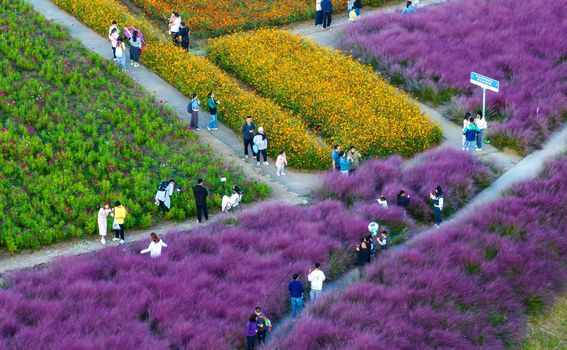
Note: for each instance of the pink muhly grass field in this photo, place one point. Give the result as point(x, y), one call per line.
point(519, 43)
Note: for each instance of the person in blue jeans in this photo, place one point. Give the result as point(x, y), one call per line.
point(437, 204)
point(470, 133)
point(212, 103)
point(296, 291)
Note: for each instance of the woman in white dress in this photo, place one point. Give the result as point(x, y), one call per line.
point(228, 202)
point(103, 213)
point(155, 246)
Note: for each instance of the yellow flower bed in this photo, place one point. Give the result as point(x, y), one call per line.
point(190, 73)
point(337, 96)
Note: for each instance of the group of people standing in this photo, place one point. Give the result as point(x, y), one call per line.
point(194, 107)
point(256, 141)
point(473, 132)
point(179, 31)
point(345, 162)
point(135, 39)
point(119, 213)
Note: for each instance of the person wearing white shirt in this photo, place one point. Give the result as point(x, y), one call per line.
point(155, 246)
point(163, 196)
point(174, 24)
point(382, 202)
point(437, 204)
point(229, 202)
point(318, 13)
point(316, 277)
point(481, 124)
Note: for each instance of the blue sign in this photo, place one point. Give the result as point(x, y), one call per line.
point(485, 82)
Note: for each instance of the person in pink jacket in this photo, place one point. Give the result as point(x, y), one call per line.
point(281, 162)
point(113, 36)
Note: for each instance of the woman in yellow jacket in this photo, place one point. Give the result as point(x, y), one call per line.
point(118, 226)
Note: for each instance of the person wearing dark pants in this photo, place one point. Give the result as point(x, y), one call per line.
point(201, 194)
point(296, 291)
point(119, 213)
point(251, 332)
point(318, 13)
point(327, 8)
point(248, 130)
point(184, 34)
point(437, 204)
point(357, 6)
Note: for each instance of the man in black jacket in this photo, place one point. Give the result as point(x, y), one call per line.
point(201, 194)
point(248, 132)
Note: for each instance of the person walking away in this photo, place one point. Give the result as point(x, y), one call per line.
point(119, 215)
point(318, 13)
point(296, 291)
point(335, 157)
point(183, 36)
point(344, 164)
point(113, 37)
point(261, 142)
point(403, 200)
point(437, 204)
point(193, 109)
point(228, 202)
point(481, 124)
point(281, 163)
point(354, 156)
point(163, 195)
point(327, 8)
point(248, 129)
point(135, 49)
point(383, 240)
point(409, 9)
point(121, 53)
point(174, 24)
point(212, 104)
point(362, 253)
point(251, 332)
point(264, 325)
point(382, 202)
point(316, 277)
point(102, 220)
point(155, 246)
point(470, 133)
point(201, 193)
point(357, 7)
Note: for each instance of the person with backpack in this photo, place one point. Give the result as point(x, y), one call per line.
point(437, 204)
point(251, 332)
point(193, 110)
point(470, 133)
point(264, 325)
point(261, 146)
point(119, 213)
point(155, 246)
point(163, 195)
point(296, 291)
point(212, 103)
point(316, 277)
point(201, 193)
point(248, 129)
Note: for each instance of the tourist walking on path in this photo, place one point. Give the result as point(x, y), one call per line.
point(354, 157)
point(344, 164)
point(335, 154)
point(318, 13)
point(163, 195)
point(251, 332)
point(327, 8)
point(183, 36)
point(281, 163)
point(248, 130)
point(121, 53)
point(193, 109)
point(102, 220)
point(135, 49)
point(201, 193)
point(296, 291)
point(470, 133)
point(261, 142)
point(403, 200)
point(119, 214)
point(437, 204)
point(316, 277)
point(383, 240)
point(174, 24)
point(481, 124)
point(212, 104)
point(155, 246)
point(113, 37)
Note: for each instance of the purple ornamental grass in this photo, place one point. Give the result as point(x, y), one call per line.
point(198, 295)
point(516, 42)
point(466, 286)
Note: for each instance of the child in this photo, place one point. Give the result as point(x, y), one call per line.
point(155, 246)
point(281, 162)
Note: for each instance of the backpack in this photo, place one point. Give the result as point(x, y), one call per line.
point(267, 323)
point(163, 186)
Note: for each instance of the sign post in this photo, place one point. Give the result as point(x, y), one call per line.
point(485, 83)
